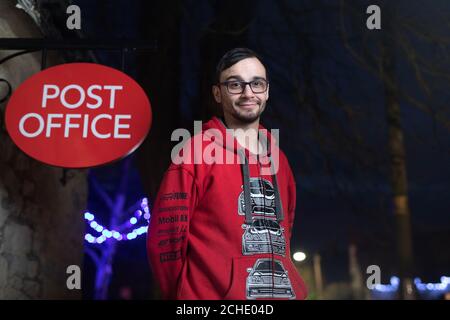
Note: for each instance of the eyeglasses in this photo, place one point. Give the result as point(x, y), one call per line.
point(237, 87)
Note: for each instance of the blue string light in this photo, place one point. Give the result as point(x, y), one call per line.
point(388, 287)
point(442, 286)
point(106, 234)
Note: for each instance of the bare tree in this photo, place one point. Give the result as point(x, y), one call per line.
point(332, 120)
point(123, 224)
point(394, 45)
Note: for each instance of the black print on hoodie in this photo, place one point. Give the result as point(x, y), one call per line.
point(267, 279)
point(264, 234)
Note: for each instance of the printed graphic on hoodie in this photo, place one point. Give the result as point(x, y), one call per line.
point(262, 197)
point(262, 235)
point(264, 281)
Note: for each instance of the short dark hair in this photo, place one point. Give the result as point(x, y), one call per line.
point(232, 57)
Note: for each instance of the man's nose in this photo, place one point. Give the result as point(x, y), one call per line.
point(247, 91)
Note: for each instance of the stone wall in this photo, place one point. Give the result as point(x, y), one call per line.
point(41, 221)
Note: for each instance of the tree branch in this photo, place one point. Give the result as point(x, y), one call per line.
point(102, 193)
point(94, 256)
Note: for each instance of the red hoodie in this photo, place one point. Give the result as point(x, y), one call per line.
point(222, 231)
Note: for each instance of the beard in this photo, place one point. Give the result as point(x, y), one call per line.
point(247, 116)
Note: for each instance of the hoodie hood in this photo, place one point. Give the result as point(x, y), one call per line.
point(227, 140)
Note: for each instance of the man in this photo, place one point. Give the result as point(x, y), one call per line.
point(221, 229)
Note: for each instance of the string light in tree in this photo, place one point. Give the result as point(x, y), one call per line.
point(142, 214)
point(392, 287)
point(442, 286)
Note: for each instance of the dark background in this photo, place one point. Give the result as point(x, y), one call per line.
point(327, 97)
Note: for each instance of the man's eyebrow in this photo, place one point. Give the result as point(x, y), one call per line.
point(241, 79)
point(233, 77)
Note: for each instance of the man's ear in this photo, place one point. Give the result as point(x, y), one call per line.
point(267, 93)
point(216, 93)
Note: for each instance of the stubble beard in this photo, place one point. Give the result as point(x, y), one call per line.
point(247, 116)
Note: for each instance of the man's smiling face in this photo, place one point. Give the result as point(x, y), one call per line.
point(245, 107)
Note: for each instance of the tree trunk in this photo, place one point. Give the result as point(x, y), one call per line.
point(41, 222)
point(399, 181)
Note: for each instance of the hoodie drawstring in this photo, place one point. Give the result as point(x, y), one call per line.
point(246, 184)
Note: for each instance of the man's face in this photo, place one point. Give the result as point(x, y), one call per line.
point(245, 107)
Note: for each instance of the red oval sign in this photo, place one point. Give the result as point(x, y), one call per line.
point(78, 115)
